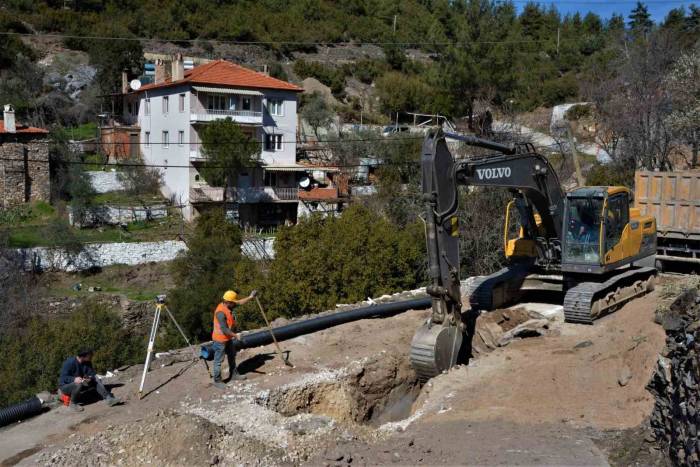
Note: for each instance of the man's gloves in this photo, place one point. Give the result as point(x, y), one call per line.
point(254, 293)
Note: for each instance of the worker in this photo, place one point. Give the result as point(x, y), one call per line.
point(223, 335)
point(78, 378)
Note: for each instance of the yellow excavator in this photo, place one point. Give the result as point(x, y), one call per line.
point(590, 245)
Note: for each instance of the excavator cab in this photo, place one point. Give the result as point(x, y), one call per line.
point(602, 232)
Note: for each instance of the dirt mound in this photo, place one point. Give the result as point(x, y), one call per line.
point(166, 438)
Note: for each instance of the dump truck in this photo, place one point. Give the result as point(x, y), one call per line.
point(673, 198)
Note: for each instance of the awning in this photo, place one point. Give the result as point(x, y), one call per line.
point(285, 168)
point(242, 92)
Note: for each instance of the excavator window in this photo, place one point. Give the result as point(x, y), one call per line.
point(616, 218)
point(583, 230)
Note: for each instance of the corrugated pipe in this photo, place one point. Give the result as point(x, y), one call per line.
point(319, 323)
point(20, 411)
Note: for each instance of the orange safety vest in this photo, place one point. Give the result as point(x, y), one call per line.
point(216, 333)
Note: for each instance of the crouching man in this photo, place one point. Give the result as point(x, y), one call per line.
point(78, 378)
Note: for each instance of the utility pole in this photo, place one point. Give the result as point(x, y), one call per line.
point(395, 23)
point(558, 40)
point(574, 153)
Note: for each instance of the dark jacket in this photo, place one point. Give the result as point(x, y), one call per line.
point(72, 368)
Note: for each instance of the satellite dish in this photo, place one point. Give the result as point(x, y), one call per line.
point(305, 183)
point(135, 85)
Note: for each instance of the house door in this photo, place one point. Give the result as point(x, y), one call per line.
point(134, 145)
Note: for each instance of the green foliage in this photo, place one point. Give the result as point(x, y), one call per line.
point(112, 57)
point(399, 93)
point(609, 175)
point(212, 265)
point(316, 111)
point(579, 111)
point(33, 355)
point(321, 262)
point(228, 150)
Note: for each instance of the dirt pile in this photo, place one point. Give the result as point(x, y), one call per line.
point(166, 438)
point(675, 419)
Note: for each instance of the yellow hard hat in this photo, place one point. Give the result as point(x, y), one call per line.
point(230, 296)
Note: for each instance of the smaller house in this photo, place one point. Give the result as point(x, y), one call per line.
point(24, 162)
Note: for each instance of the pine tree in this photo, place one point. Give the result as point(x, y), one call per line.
point(640, 19)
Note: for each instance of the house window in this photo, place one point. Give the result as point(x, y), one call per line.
point(273, 142)
point(166, 139)
point(180, 138)
point(274, 106)
point(182, 102)
point(148, 138)
point(147, 110)
point(270, 178)
point(246, 103)
point(166, 104)
point(217, 102)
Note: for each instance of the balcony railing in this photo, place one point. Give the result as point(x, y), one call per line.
point(319, 194)
point(242, 116)
point(266, 194)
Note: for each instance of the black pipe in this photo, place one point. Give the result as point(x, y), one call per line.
point(482, 143)
point(319, 323)
point(20, 411)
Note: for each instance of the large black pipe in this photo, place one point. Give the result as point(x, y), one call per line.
point(319, 323)
point(20, 411)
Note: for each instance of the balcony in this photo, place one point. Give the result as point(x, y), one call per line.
point(250, 117)
point(250, 195)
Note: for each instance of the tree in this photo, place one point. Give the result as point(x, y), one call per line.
point(316, 111)
point(111, 57)
point(684, 84)
point(640, 19)
point(212, 264)
point(228, 150)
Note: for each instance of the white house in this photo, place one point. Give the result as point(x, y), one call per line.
point(170, 112)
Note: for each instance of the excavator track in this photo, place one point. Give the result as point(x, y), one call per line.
point(588, 301)
point(497, 289)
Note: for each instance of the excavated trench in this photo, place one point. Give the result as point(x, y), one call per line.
point(372, 392)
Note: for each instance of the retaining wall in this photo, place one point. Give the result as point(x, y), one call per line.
point(104, 182)
point(115, 215)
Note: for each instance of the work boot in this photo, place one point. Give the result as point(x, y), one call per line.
point(112, 401)
point(75, 407)
point(236, 376)
point(219, 385)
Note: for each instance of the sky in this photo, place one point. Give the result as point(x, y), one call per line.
point(657, 8)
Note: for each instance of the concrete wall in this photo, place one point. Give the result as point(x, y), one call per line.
point(101, 255)
point(27, 177)
point(104, 182)
point(115, 215)
point(286, 125)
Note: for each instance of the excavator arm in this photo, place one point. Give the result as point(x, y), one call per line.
point(528, 175)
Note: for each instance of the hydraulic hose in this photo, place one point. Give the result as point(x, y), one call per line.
point(20, 411)
point(319, 323)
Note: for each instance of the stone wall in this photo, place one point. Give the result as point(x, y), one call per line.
point(675, 419)
point(101, 255)
point(115, 215)
point(26, 178)
point(259, 248)
point(104, 182)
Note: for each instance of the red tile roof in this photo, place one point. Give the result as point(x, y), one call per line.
point(224, 73)
point(23, 129)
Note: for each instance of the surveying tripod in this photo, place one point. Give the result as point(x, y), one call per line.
point(160, 306)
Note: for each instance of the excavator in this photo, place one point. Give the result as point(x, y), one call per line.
point(589, 244)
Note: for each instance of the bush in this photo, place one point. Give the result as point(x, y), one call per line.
point(321, 262)
point(609, 175)
point(212, 265)
point(32, 356)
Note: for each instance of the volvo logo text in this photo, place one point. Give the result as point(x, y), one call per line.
point(496, 172)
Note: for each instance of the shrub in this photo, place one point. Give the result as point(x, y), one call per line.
point(609, 175)
point(32, 356)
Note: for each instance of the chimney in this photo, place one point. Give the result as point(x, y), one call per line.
point(265, 70)
point(160, 71)
point(125, 82)
point(9, 118)
point(178, 68)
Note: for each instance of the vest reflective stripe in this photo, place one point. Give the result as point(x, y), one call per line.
point(216, 333)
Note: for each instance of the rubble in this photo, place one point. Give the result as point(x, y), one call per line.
point(675, 419)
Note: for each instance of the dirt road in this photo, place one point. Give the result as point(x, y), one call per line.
point(352, 397)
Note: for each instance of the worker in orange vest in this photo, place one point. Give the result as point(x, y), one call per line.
point(223, 336)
